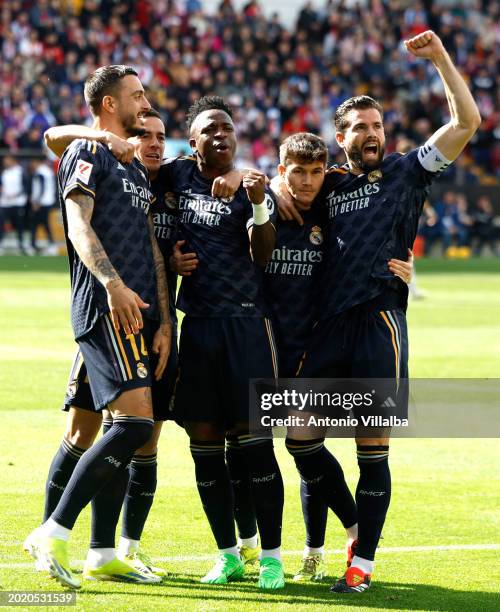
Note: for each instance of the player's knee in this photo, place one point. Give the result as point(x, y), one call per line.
point(82, 427)
point(137, 432)
point(207, 432)
point(151, 446)
point(372, 441)
point(135, 402)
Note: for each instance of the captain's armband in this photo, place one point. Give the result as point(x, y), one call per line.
point(431, 158)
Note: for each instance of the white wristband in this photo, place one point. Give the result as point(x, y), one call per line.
point(260, 213)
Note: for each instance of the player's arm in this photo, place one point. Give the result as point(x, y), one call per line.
point(465, 119)
point(262, 233)
point(124, 304)
point(163, 336)
point(228, 184)
point(59, 137)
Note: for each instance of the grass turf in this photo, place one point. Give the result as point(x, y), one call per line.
point(445, 491)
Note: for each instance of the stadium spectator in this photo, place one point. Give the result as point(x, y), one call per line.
point(43, 199)
point(13, 199)
point(454, 221)
point(181, 53)
point(430, 227)
point(483, 228)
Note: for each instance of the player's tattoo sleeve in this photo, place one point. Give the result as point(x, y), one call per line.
point(161, 276)
point(79, 208)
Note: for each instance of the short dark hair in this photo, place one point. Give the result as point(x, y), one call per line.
point(356, 103)
point(152, 112)
point(104, 82)
point(206, 103)
point(303, 147)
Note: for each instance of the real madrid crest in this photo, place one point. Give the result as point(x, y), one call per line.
point(374, 175)
point(170, 201)
point(316, 235)
point(142, 371)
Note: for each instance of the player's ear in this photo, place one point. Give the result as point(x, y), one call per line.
point(192, 144)
point(339, 137)
point(109, 104)
point(281, 170)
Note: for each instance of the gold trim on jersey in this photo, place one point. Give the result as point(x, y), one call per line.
point(274, 352)
point(120, 353)
point(74, 186)
point(391, 324)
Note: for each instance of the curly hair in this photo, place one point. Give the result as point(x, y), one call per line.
point(206, 103)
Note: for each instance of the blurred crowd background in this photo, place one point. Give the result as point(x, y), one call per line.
point(279, 80)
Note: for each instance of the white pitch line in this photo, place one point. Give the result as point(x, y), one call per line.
point(286, 553)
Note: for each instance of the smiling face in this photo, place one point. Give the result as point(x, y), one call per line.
point(131, 104)
point(363, 140)
point(213, 139)
point(150, 146)
point(303, 180)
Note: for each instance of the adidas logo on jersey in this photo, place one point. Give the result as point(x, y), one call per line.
point(120, 167)
point(389, 403)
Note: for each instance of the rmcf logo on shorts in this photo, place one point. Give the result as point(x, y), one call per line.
point(83, 171)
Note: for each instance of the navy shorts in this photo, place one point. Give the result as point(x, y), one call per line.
point(289, 359)
point(362, 343)
point(109, 363)
point(217, 357)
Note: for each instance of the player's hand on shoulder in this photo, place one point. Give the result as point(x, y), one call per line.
point(227, 185)
point(286, 203)
point(426, 45)
point(161, 346)
point(254, 183)
point(402, 269)
point(182, 263)
point(122, 149)
point(125, 307)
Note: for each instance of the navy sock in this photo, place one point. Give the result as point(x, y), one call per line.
point(214, 487)
point(140, 495)
point(324, 477)
point(244, 510)
point(373, 496)
point(315, 513)
point(107, 504)
point(267, 488)
point(100, 464)
point(61, 468)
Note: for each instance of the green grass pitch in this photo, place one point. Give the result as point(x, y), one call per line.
point(445, 492)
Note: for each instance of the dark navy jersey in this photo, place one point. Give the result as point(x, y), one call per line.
point(372, 218)
point(226, 282)
point(165, 222)
point(291, 284)
point(122, 198)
